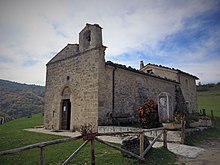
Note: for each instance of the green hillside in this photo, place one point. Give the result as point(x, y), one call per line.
point(12, 135)
point(20, 100)
point(209, 101)
point(209, 98)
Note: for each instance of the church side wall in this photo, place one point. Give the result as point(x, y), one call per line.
point(131, 90)
point(105, 96)
point(83, 72)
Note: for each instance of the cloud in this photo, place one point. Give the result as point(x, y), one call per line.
point(151, 23)
point(205, 71)
point(29, 62)
point(173, 33)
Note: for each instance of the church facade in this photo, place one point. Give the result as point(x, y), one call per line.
point(82, 88)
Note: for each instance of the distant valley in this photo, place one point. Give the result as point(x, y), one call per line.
point(20, 100)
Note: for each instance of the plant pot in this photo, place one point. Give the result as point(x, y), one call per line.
point(205, 123)
point(194, 124)
point(171, 125)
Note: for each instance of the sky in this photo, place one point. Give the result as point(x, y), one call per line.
point(181, 34)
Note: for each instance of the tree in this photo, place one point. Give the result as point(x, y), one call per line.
point(180, 101)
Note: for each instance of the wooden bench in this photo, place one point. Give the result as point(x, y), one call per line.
point(122, 118)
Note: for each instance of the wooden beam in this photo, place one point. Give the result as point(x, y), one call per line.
point(42, 144)
point(213, 119)
point(149, 147)
point(75, 153)
point(92, 153)
point(165, 138)
point(120, 149)
point(141, 143)
point(42, 156)
point(183, 124)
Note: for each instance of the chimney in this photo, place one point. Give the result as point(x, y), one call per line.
point(141, 64)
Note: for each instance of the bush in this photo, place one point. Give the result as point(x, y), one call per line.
point(148, 114)
point(193, 117)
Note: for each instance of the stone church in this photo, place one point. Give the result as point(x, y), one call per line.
point(82, 88)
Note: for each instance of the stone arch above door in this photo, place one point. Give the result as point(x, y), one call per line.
point(66, 92)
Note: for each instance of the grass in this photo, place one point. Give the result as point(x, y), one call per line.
point(12, 135)
point(208, 135)
point(208, 101)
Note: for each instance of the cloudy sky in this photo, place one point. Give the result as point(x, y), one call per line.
point(183, 34)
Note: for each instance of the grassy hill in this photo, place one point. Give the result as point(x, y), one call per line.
point(20, 100)
point(209, 101)
point(12, 135)
point(209, 98)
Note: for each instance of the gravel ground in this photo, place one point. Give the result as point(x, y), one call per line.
point(210, 155)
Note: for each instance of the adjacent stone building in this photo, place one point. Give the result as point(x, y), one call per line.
point(82, 88)
point(186, 82)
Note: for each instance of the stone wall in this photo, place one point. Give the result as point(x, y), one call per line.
point(131, 89)
point(188, 86)
point(172, 136)
point(105, 96)
point(81, 75)
point(187, 83)
point(69, 51)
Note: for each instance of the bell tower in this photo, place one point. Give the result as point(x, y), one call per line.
point(90, 37)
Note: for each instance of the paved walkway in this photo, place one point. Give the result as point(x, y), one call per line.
point(178, 149)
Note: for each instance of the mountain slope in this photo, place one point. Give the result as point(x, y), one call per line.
point(20, 100)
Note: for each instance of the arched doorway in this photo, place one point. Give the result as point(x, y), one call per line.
point(66, 114)
point(66, 109)
point(165, 109)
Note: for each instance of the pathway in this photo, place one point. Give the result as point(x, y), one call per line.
point(210, 156)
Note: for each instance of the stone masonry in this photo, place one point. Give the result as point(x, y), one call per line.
point(73, 74)
point(81, 88)
point(186, 81)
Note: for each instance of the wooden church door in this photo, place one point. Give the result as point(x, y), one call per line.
point(66, 114)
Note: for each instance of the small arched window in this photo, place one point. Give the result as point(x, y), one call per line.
point(87, 39)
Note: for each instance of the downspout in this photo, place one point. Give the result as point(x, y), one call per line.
point(113, 89)
point(168, 110)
